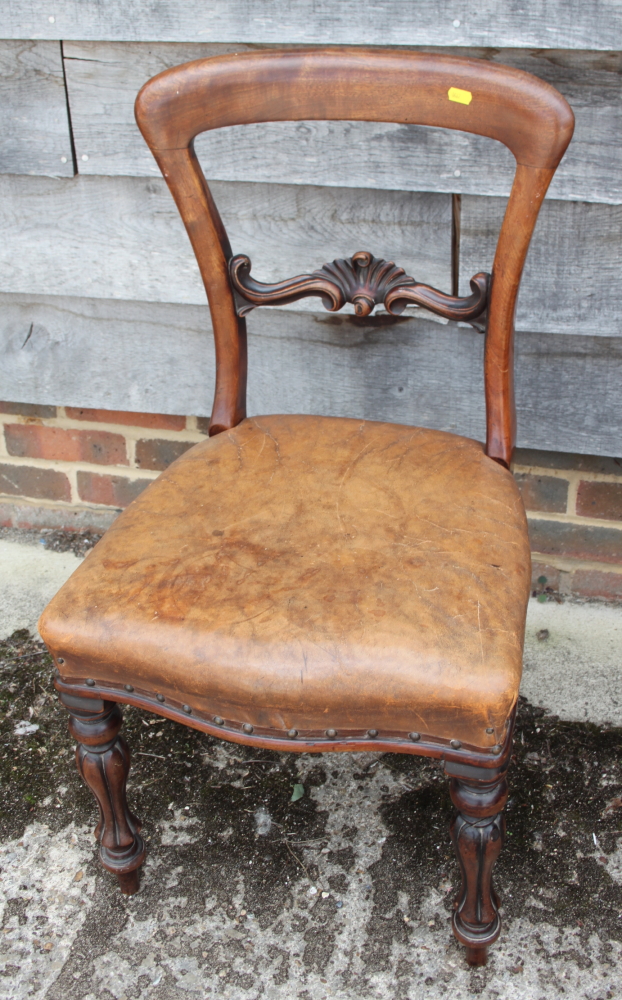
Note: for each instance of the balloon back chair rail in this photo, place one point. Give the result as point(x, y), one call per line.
point(529, 116)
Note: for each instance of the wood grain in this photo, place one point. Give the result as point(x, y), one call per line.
point(103, 78)
point(551, 24)
point(122, 238)
point(121, 355)
point(34, 127)
point(573, 269)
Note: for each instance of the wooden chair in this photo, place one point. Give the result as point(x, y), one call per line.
point(309, 583)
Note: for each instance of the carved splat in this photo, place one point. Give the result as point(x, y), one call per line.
point(364, 280)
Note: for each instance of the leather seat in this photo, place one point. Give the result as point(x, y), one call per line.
point(302, 574)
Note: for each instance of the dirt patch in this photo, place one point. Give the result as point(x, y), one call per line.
point(56, 539)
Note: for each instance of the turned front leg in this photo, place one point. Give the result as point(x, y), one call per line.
point(477, 832)
point(103, 760)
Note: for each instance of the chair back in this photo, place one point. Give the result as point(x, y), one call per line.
point(529, 116)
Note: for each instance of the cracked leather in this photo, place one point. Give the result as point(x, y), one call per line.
point(311, 572)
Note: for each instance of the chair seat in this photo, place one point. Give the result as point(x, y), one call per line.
point(310, 574)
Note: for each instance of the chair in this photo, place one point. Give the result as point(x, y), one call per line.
point(319, 584)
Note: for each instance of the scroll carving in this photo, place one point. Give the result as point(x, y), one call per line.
point(365, 281)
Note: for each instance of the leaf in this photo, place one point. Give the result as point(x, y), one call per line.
point(541, 598)
point(542, 580)
point(297, 793)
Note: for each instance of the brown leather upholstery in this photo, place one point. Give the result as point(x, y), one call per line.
point(311, 574)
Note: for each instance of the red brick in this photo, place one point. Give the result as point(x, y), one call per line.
point(600, 500)
point(41, 484)
point(576, 541)
point(596, 583)
point(162, 421)
point(157, 453)
point(59, 444)
point(545, 493)
point(28, 409)
point(114, 491)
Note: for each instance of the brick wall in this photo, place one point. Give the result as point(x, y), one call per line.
point(574, 506)
point(76, 468)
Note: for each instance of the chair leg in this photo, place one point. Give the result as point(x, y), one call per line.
point(103, 760)
point(477, 832)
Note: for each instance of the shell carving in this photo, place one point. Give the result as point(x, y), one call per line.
point(363, 280)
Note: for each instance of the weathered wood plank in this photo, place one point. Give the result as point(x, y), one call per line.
point(535, 23)
point(104, 78)
point(34, 125)
point(573, 272)
point(158, 357)
point(122, 238)
point(568, 392)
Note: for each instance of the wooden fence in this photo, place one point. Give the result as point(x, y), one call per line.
point(102, 304)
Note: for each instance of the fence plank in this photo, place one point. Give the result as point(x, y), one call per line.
point(34, 126)
point(534, 23)
point(121, 237)
point(158, 357)
point(574, 268)
point(104, 78)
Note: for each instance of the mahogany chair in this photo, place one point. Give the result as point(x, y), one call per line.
point(309, 583)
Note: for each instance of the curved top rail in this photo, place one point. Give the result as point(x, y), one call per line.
point(526, 114)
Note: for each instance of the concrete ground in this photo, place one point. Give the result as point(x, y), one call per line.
point(345, 893)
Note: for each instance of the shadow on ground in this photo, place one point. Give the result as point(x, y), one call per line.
point(345, 892)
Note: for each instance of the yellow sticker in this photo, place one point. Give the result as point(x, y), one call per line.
point(460, 96)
